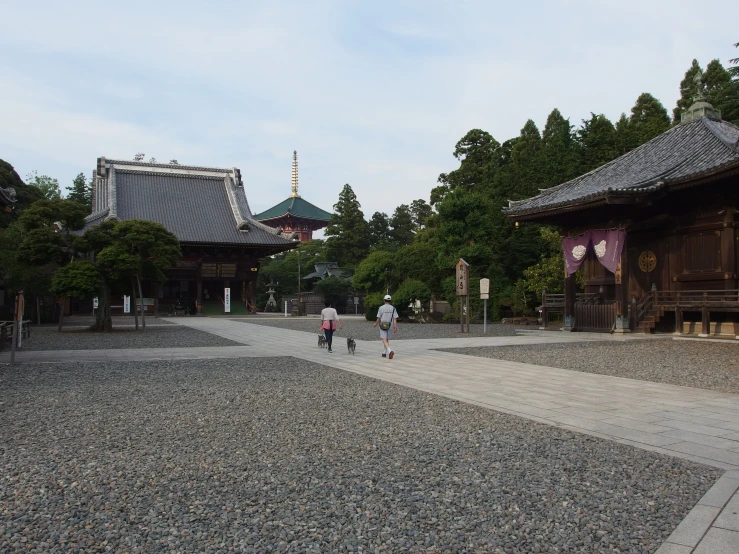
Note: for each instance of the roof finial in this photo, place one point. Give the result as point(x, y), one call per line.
point(700, 107)
point(698, 80)
point(295, 175)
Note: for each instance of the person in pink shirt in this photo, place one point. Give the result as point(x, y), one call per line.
point(329, 320)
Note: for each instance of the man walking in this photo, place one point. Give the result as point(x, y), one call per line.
point(387, 319)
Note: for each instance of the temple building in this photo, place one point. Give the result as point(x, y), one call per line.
point(295, 215)
point(206, 208)
point(655, 231)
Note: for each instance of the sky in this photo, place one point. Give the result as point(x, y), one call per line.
point(374, 94)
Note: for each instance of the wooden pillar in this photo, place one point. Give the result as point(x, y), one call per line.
point(705, 318)
point(621, 279)
point(569, 307)
point(728, 250)
point(199, 281)
point(678, 320)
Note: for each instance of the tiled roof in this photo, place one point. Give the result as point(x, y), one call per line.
point(684, 153)
point(294, 206)
point(196, 208)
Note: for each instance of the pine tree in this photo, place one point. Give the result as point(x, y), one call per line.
point(598, 142)
point(379, 229)
point(402, 227)
point(81, 191)
point(559, 153)
point(421, 212)
point(648, 119)
point(524, 177)
point(688, 91)
point(348, 234)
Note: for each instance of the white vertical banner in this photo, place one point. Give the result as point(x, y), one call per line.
point(227, 300)
point(95, 302)
point(126, 304)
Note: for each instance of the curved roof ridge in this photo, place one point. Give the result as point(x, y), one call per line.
point(187, 175)
point(713, 126)
point(171, 166)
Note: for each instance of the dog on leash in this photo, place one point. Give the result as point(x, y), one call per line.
point(351, 344)
point(322, 342)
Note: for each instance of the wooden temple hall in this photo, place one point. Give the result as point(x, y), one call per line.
point(654, 234)
point(206, 208)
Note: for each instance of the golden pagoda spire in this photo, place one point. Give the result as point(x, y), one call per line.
point(295, 175)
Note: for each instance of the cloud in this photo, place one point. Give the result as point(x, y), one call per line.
point(375, 95)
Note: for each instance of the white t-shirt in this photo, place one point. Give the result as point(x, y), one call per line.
point(329, 314)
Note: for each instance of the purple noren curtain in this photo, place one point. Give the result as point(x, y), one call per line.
point(607, 246)
point(575, 249)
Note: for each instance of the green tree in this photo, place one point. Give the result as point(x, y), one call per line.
point(78, 279)
point(379, 229)
point(417, 261)
point(688, 91)
point(373, 273)
point(334, 289)
point(283, 269)
point(43, 242)
point(598, 142)
point(138, 250)
point(348, 234)
point(522, 174)
point(410, 291)
point(648, 119)
point(402, 226)
point(559, 151)
point(421, 212)
point(624, 137)
point(48, 186)
point(81, 192)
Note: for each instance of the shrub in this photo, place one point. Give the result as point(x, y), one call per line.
point(372, 303)
point(410, 291)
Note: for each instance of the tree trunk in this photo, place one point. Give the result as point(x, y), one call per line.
point(141, 295)
point(135, 306)
point(38, 311)
point(103, 320)
point(62, 303)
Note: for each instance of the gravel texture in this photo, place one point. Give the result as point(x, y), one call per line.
point(155, 336)
point(282, 455)
point(362, 329)
point(705, 365)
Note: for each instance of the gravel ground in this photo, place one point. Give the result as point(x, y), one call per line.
point(159, 336)
point(282, 455)
point(362, 329)
point(704, 365)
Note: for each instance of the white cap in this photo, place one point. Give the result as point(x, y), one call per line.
point(387, 297)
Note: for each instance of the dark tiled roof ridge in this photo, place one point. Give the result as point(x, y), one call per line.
point(218, 178)
point(646, 157)
point(172, 166)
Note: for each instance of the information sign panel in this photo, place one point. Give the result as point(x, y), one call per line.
point(484, 289)
point(126, 304)
point(227, 300)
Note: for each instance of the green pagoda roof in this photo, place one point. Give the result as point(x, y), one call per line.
point(294, 206)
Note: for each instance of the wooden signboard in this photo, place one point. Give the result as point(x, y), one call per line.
point(463, 277)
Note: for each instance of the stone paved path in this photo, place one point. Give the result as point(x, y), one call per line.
point(694, 424)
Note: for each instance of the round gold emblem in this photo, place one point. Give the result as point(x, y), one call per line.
point(647, 261)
